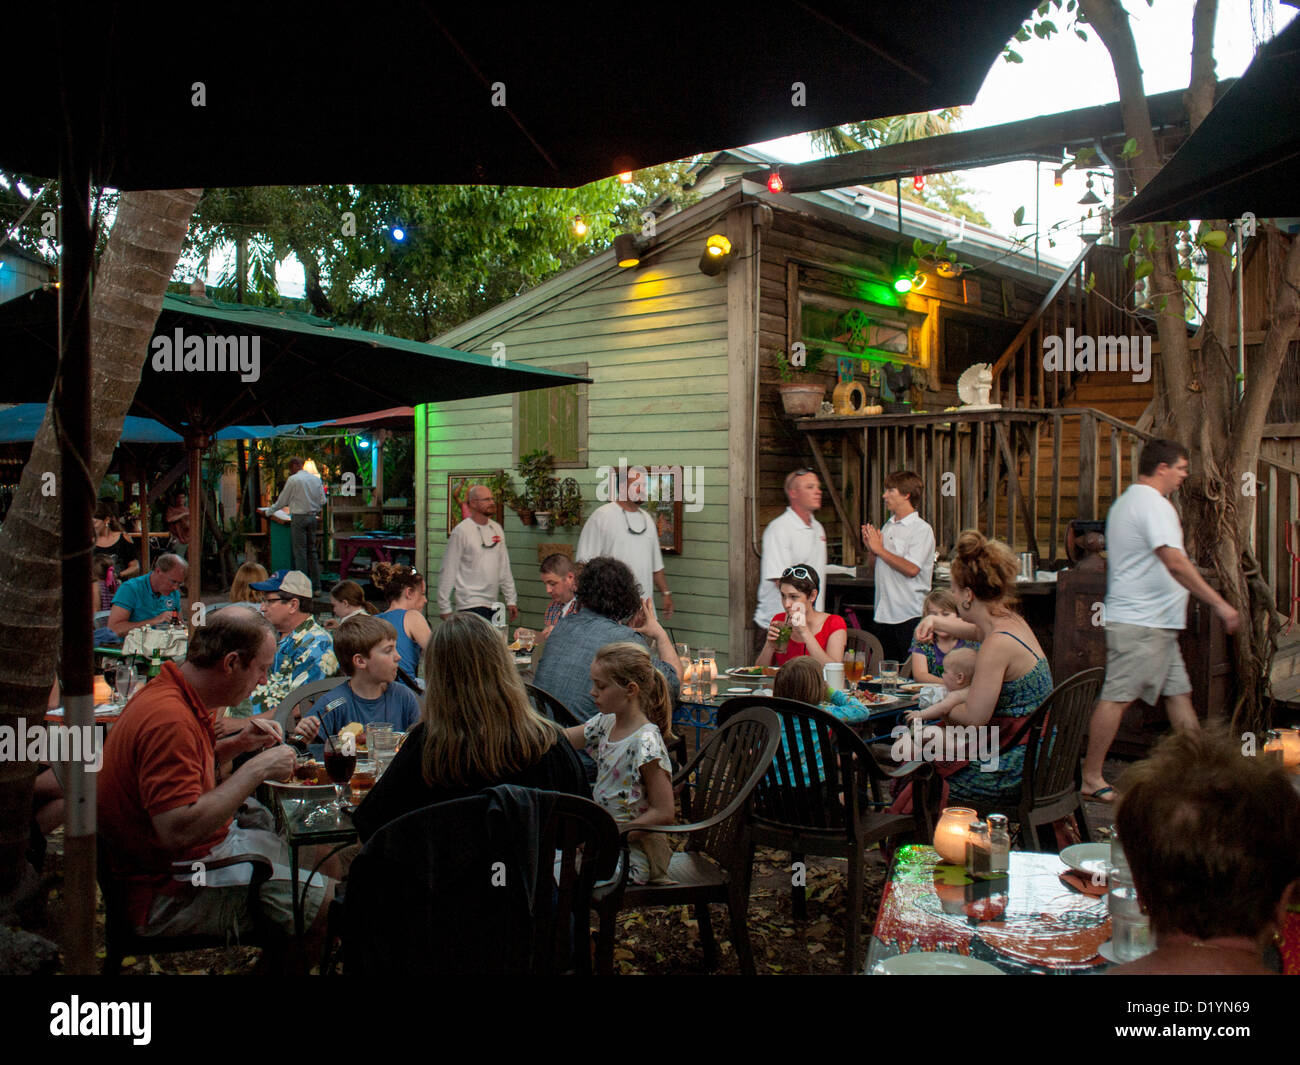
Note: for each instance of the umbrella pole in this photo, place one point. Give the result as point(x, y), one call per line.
point(195, 552)
point(72, 417)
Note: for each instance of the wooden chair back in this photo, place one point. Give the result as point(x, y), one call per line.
point(550, 706)
point(861, 640)
point(1056, 735)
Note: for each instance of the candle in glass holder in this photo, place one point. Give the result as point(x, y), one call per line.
point(951, 832)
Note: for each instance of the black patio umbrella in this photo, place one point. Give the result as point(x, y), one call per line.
point(555, 94)
point(143, 96)
point(1244, 157)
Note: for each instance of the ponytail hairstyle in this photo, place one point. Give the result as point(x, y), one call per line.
point(392, 580)
point(987, 567)
point(351, 593)
point(630, 663)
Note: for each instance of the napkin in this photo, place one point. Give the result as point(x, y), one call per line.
point(1082, 883)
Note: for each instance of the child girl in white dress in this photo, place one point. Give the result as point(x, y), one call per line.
point(626, 739)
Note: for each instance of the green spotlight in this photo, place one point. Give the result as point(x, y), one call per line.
point(903, 284)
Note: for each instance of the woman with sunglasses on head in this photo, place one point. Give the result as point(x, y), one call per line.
point(405, 591)
point(819, 635)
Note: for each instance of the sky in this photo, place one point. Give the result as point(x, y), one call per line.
point(1065, 73)
point(1059, 74)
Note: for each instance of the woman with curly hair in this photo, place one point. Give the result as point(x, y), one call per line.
point(1012, 676)
point(610, 611)
point(404, 589)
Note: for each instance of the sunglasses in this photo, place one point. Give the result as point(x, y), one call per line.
point(802, 573)
point(277, 598)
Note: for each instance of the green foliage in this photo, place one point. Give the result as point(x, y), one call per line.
point(786, 370)
point(467, 248)
point(1130, 149)
point(1040, 26)
point(1019, 217)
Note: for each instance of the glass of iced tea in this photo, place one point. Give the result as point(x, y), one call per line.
point(339, 767)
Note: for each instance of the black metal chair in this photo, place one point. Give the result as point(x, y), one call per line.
point(120, 938)
point(1052, 778)
point(717, 864)
point(550, 706)
point(835, 813)
point(443, 889)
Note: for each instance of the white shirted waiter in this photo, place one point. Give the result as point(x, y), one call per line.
point(793, 539)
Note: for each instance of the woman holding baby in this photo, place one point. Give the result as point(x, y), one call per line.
point(1010, 679)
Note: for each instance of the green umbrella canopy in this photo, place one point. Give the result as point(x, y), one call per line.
point(281, 366)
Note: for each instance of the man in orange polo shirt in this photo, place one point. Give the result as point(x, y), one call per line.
point(160, 800)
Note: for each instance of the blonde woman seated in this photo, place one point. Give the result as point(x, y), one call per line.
point(242, 591)
point(818, 635)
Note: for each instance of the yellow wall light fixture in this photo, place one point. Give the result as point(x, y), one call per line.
point(717, 253)
point(628, 249)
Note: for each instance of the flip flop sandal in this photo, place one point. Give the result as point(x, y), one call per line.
point(1103, 795)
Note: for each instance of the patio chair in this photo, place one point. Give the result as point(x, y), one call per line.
point(120, 938)
point(861, 640)
point(1053, 775)
point(425, 896)
point(718, 861)
point(550, 706)
point(835, 814)
point(301, 696)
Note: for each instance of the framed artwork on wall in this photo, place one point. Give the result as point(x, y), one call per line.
point(458, 485)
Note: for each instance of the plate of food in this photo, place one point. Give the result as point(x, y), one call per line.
point(309, 776)
point(926, 963)
point(752, 672)
point(911, 689)
point(875, 698)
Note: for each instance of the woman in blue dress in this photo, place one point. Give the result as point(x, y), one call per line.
point(404, 590)
point(1012, 677)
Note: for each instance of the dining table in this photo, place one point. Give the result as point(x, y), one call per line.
point(298, 818)
point(1029, 920)
point(697, 707)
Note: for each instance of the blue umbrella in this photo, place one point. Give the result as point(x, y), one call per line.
point(18, 425)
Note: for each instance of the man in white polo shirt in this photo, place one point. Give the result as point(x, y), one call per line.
point(904, 552)
point(1148, 576)
point(795, 538)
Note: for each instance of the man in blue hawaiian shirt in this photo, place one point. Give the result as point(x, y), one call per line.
point(305, 652)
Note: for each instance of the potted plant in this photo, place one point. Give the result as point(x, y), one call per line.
point(541, 488)
point(799, 396)
point(568, 505)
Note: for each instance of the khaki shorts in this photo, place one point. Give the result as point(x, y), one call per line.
point(1143, 663)
point(224, 910)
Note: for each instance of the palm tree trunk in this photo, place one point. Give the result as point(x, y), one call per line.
point(137, 264)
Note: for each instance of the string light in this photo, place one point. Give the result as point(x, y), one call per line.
point(579, 226)
point(918, 182)
point(625, 177)
point(774, 182)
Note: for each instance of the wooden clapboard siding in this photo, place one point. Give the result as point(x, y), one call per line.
point(654, 339)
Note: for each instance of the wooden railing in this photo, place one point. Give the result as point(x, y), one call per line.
point(1277, 505)
point(980, 470)
point(1019, 376)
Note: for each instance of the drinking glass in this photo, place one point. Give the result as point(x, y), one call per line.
point(1130, 930)
point(889, 675)
point(373, 731)
point(385, 747)
point(124, 681)
point(852, 668)
point(340, 768)
point(684, 656)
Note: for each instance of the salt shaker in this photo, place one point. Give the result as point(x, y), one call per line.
point(978, 855)
point(999, 844)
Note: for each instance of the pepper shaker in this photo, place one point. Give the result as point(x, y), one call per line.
point(999, 844)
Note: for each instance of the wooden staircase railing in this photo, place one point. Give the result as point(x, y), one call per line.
point(1019, 377)
point(980, 470)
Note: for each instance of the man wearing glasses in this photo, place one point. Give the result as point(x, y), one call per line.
point(305, 650)
point(793, 538)
point(476, 565)
point(621, 529)
point(154, 598)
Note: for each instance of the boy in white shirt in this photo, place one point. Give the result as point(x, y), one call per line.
point(904, 553)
